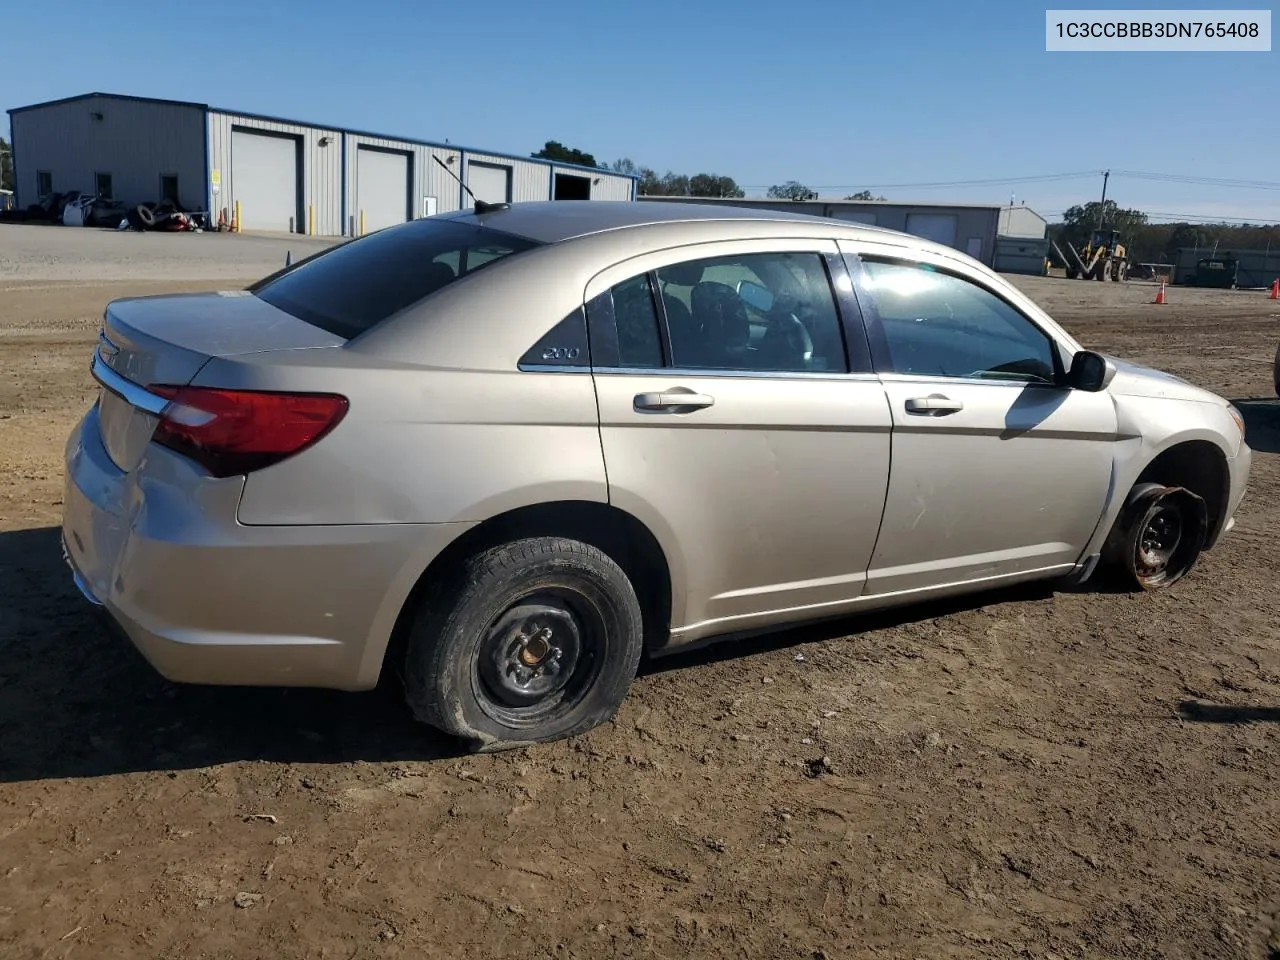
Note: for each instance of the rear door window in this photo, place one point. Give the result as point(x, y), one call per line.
point(351, 288)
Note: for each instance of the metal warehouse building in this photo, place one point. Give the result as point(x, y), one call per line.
point(976, 229)
point(1257, 268)
point(285, 175)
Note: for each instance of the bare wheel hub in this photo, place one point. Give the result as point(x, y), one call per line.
point(536, 648)
point(1158, 541)
point(530, 653)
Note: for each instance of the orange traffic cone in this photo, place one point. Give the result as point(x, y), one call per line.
point(1275, 289)
point(1160, 294)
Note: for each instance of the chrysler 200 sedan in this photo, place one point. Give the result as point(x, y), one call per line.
point(508, 451)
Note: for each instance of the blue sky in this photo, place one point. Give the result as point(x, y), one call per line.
point(836, 95)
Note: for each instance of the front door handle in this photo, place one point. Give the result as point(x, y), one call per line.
point(934, 406)
point(677, 399)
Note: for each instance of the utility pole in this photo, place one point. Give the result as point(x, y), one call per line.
point(1102, 208)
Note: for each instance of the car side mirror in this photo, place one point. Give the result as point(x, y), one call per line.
point(1090, 371)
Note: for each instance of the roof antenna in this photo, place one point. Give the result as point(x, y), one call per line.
point(481, 205)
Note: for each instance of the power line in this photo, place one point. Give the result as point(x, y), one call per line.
point(941, 183)
point(1048, 178)
point(1196, 218)
point(1199, 181)
point(1203, 218)
point(1042, 178)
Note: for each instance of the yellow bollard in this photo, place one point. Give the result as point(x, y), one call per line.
point(362, 223)
point(311, 221)
point(239, 222)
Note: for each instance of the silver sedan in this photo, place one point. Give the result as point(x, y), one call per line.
point(509, 450)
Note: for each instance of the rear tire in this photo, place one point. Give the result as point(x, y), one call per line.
point(531, 641)
point(1158, 537)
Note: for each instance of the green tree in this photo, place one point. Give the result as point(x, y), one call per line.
point(649, 184)
point(673, 184)
point(791, 190)
point(6, 166)
point(863, 195)
point(713, 185)
point(1079, 222)
point(668, 185)
point(555, 150)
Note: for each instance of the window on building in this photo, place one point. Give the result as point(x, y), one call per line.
point(44, 183)
point(169, 187)
point(102, 186)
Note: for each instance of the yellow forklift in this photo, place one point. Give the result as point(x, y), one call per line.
point(1102, 258)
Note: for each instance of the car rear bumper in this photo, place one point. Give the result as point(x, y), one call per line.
point(207, 600)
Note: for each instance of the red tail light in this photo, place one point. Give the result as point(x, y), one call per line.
point(229, 432)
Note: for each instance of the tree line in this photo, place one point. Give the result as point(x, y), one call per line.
point(1148, 242)
point(671, 184)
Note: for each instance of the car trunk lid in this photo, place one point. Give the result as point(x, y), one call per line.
point(165, 340)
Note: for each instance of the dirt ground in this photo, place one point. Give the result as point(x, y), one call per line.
point(1023, 774)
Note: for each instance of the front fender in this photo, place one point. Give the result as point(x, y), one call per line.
point(1149, 426)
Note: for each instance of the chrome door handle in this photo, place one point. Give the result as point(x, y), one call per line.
point(673, 400)
point(933, 406)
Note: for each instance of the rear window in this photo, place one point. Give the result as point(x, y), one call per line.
point(351, 288)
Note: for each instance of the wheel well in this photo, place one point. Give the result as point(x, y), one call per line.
point(626, 540)
point(1201, 467)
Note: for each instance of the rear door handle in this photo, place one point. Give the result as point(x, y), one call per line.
point(936, 406)
point(678, 399)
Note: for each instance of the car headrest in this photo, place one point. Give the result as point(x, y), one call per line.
point(682, 274)
point(721, 314)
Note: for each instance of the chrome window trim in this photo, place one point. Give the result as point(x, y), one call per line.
point(675, 373)
point(127, 390)
point(551, 368)
point(967, 381)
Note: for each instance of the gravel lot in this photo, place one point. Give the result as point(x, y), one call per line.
point(1021, 774)
point(43, 252)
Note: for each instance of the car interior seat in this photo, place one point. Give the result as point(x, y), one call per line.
point(721, 318)
point(688, 340)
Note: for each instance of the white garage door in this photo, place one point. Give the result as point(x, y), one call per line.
point(264, 180)
point(382, 188)
point(489, 182)
point(938, 227)
point(867, 218)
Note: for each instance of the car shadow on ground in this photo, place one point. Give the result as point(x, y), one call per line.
point(1261, 423)
point(1201, 712)
point(739, 647)
point(78, 701)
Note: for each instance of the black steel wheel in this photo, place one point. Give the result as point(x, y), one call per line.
point(529, 642)
point(539, 658)
point(1158, 537)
